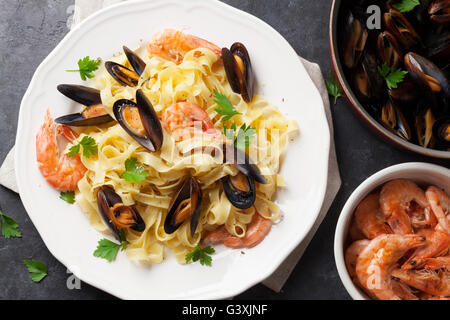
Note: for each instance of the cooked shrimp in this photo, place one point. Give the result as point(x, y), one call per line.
point(435, 283)
point(437, 263)
point(369, 218)
point(397, 199)
point(437, 244)
point(379, 258)
point(440, 204)
point(355, 233)
point(351, 255)
point(60, 171)
point(256, 232)
point(184, 119)
point(403, 291)
point(173, 45)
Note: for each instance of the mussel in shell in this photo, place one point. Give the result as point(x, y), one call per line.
point(354, 41)
point(94, 114)
point(441, 130)
point(439, 11)
point(240, 189)
point(367, 81)
point(238, 68)
point(124, 75)
point(397, 24)
point(115, 214)
point(393, 119)
point(389, 49)
point(140, 121)
point(424, 128)
point(185, 206)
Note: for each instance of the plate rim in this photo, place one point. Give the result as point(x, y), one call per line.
point(216, 292)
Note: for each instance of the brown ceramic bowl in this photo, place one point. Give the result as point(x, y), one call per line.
point(353, 102)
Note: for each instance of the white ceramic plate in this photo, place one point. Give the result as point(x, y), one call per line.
point(283, 81)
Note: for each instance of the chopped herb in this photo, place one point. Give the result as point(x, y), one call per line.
point(406, 5)
point(107, 249)
point(37, 270)
point(87, 67)
point(134, 173)
point(69, 196)
point(391, 76)
point(9, 227)
point(200, 254)
point(89, 147)
point(225, 109)
point(333, 88)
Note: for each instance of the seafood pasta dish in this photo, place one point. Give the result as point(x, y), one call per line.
point(400, 243)
point(171, 147)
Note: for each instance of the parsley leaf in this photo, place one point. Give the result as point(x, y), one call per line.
point(391, 76)
point(244, 135)
point(89, 147)
point(406, 5)
point(333, 88)
point(201, 254)
point(134, 173)
point(69, 196)
point(37, 270)
point(87, 67)
point(107, 249)
point(9, 227)
point(225, 109)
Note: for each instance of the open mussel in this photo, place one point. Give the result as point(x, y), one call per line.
point(367, 81)
point(124, 75)
point(238, 68)
point(441, 131)
point(439, 11)
point(393, 119)
point(94, 114)
point(115, 214)
point(424, 128)
point(389, 50)
point(140, 121)
point(397, 24)
point(354, 41)
point(240, 189)
point(185, 206)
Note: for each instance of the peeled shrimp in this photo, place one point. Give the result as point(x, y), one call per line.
point(183, 118)
point(396, 201)
point(256, 232)
point(437, 243)
point(369, 218)
point(379, 258)
point(435, 283)
point(440, 203)
point(173, 45)
point(60, 171)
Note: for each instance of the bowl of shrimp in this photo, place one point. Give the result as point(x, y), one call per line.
point(392, 239)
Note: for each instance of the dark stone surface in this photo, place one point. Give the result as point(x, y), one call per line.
point(30, 29)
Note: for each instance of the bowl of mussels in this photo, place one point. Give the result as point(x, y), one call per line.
point(391, 59)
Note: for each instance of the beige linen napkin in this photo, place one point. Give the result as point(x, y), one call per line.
point(84, 8)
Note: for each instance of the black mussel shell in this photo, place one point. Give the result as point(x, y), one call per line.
point(368, 82)
point(107, 198)
point(240, 75)
point(405, 92)
point(78, 120)
point(136, 62)
point(424, 128)
point(441, 131)
point(123, 75)
point(393, 119)
point(240, 197)
point(188, 197)
point(153, 137)
point(354, 41)
point(242, 162)
point(389, 50)
point(81, 94)
point(439, 12)
point(397, 24)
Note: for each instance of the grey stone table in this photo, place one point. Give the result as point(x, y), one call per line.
point(30, 29)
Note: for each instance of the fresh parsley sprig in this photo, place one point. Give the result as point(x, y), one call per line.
point(68, 196)
point(200, 254)
point(108, 249)
point(225, 108)
point(134, 172)
point(37, 270)
point(89, 147)
point(9, 227)
point(87, 67)
point(392, 76)
point(333, 88)
point(406, 5)
point(242, 137)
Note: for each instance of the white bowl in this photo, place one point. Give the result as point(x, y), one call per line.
point(421, 173)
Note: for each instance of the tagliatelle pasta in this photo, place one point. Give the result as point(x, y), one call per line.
point(165, 83)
